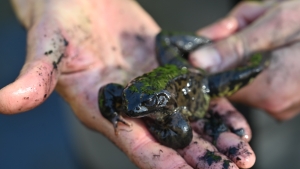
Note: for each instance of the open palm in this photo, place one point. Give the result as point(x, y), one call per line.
point(77, 46)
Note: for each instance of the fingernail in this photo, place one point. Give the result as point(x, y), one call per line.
point(206, 58)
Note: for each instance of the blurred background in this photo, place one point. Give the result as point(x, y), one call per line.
point(51, 137)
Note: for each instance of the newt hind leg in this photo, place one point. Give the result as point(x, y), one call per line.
point(110, 101)
point(173, 131)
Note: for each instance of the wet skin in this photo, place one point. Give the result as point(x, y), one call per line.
point(172, 95)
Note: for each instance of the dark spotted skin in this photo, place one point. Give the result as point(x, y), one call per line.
point(175, 93)
point(185, 90)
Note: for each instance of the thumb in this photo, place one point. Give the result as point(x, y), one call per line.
point(261, 35)
point(39, 74)
point(242, 15)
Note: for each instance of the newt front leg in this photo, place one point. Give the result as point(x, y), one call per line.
point(110, 104)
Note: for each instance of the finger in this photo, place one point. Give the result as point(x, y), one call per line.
point(30, 89)
point(214, 130)
point(248, 11)
point(236, 149)
point(202, 154)
point(39, 75)
point(233, 146)
point(220, 29)
point(239, 17)
point(261, 35)
point(232, 118)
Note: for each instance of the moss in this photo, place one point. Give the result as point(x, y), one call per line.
point(255, 59)
point(101, 101)
point(157, 79)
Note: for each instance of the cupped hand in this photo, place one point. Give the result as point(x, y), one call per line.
point(270, 26)
point(77, 46)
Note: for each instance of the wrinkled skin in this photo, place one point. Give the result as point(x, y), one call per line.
point(259, 26)
point(77, 46)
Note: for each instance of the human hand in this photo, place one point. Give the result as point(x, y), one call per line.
point(78, 46)
point(257, 27)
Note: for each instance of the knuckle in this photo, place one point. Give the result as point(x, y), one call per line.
point(239, 47)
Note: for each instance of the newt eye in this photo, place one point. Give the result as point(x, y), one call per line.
point(150, 102)
point(163, 99)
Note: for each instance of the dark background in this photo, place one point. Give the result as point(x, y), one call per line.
point(51, 137)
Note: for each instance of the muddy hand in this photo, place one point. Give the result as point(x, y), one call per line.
point(77, 46)
point(254, 27)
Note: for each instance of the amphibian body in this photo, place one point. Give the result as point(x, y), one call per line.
point(172, 95)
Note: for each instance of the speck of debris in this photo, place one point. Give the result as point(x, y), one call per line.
point(54, 65)
point(48, 52)
point(57, 62)
point(59, 59)
point(155, 156)
point(66, 43)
